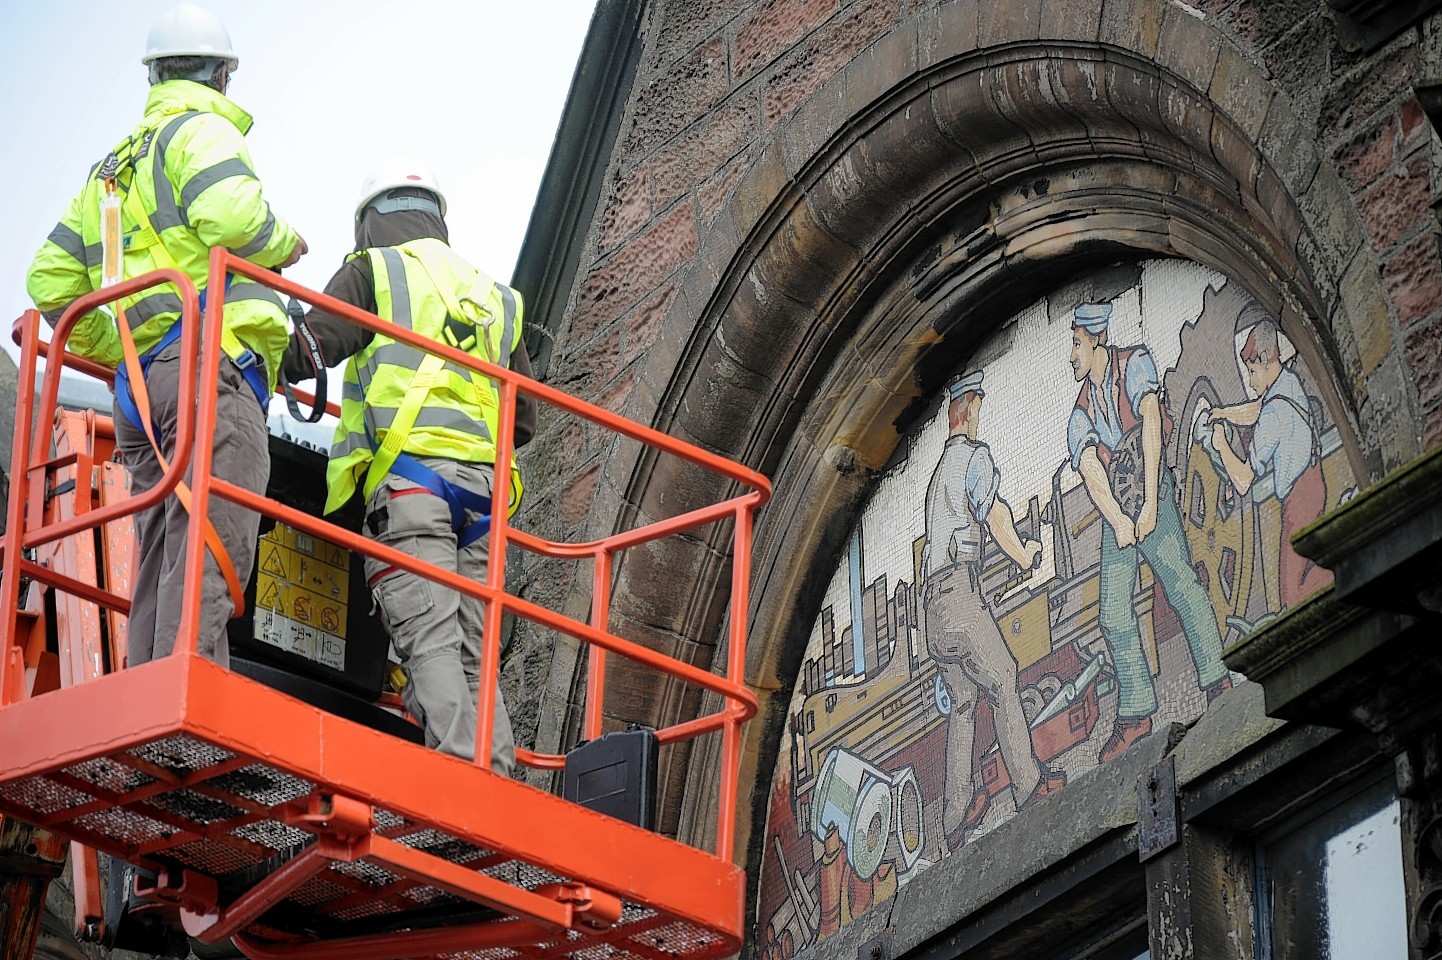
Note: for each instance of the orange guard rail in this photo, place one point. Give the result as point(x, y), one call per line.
point(369, 826)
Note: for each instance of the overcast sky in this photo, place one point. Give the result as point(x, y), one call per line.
point(473, 87)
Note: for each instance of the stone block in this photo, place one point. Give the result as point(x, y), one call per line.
point(946, 31)
point(760, 187)
point(1240, 90)
point(803, 262)
point(1365, 305)
point(1422, 344)
point(659, 580)
point(969, 115)
point(1134, 25)
point(1355, 99)
point(1389, 426)
point(647, 705)
point(1186, 114)
point(703, 149)
point(774, 27)
point(1413, 120)
point(585, 365)
point(1236, 153)
point(1331, 218)
point(1343, 337)
point(614, 396)
point(1035, 95)
point(1286, 143)
point(1075, 20)
point(644, 326)
point(1237, 722)
point(575, 502)
point(681, 95)
point(628, 210)
point(1279, 206)
point(878, 70)
point(1414, 280)
point(1397, 205)
point(636, 269)
point(1362, 160)
point(806, 68)
point(1188, 47)
point(684, 25)
point(714, 194)
point(724, 399)
point(1133, 95)
point(813, 127)
point(849, 202)
point(1009, 22)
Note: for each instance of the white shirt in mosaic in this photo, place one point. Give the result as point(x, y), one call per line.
point(958, 500)
point(1282, 438)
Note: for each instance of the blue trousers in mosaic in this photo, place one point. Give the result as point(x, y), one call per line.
point(1167, 553)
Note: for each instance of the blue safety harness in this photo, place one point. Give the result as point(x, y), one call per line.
point(248, 364)
point(457, 497)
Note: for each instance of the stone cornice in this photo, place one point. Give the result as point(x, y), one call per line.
point(1392, 525)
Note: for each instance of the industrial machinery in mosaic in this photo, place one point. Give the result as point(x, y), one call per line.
point(1099, 502)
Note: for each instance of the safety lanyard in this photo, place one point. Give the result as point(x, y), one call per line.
point(136, 377)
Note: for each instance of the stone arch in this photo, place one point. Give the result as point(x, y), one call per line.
point(920, 195)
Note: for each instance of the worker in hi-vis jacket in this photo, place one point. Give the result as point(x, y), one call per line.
point(179, 184)
point(417, 438)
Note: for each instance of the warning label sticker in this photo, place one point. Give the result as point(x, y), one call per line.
point(280, 631)
point(300, 595)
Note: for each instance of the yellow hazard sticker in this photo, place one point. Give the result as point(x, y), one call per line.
point(300, 595)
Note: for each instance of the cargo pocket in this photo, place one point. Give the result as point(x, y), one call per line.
point(402, 597)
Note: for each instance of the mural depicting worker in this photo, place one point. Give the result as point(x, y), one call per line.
point(961, 632)
point(995, 630)
point(1284, 446)
point(1115, 436)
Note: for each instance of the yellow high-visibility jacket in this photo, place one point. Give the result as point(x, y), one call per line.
point(459, 411)
point(195, 178)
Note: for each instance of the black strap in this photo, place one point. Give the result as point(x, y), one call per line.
point(317, 365)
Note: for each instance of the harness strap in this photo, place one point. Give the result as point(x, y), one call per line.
point(458, 498)
point(141, 401)
point(460, 328)
point(148, 238)
point(400, 428)
point(316, 360)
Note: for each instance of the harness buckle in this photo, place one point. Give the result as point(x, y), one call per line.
point(247, 361)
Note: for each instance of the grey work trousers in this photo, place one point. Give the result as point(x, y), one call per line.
point(437, 631)
point(970, 653)
point(242, 457)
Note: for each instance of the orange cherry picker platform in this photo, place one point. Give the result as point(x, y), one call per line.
point(291, 830)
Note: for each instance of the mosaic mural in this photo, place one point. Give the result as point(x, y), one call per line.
point(1100, 502)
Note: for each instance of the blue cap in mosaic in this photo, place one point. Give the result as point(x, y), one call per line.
point(969, 382)
point(1093, 317)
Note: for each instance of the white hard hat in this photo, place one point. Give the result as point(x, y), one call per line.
point(186, 30)
point(399, 172)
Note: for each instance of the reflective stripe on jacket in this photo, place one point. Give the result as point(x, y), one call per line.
point(460, 415)
point(195, 180)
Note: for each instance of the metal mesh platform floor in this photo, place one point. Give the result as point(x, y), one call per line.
point(204, 770)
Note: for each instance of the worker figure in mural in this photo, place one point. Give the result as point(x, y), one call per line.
point(416, 438)
point(1284, 445)
point(181, 183)
point(1116, 436)
point(961, 632)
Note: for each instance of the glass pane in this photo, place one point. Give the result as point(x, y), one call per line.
point(1334, 885)
point(1366, 901)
